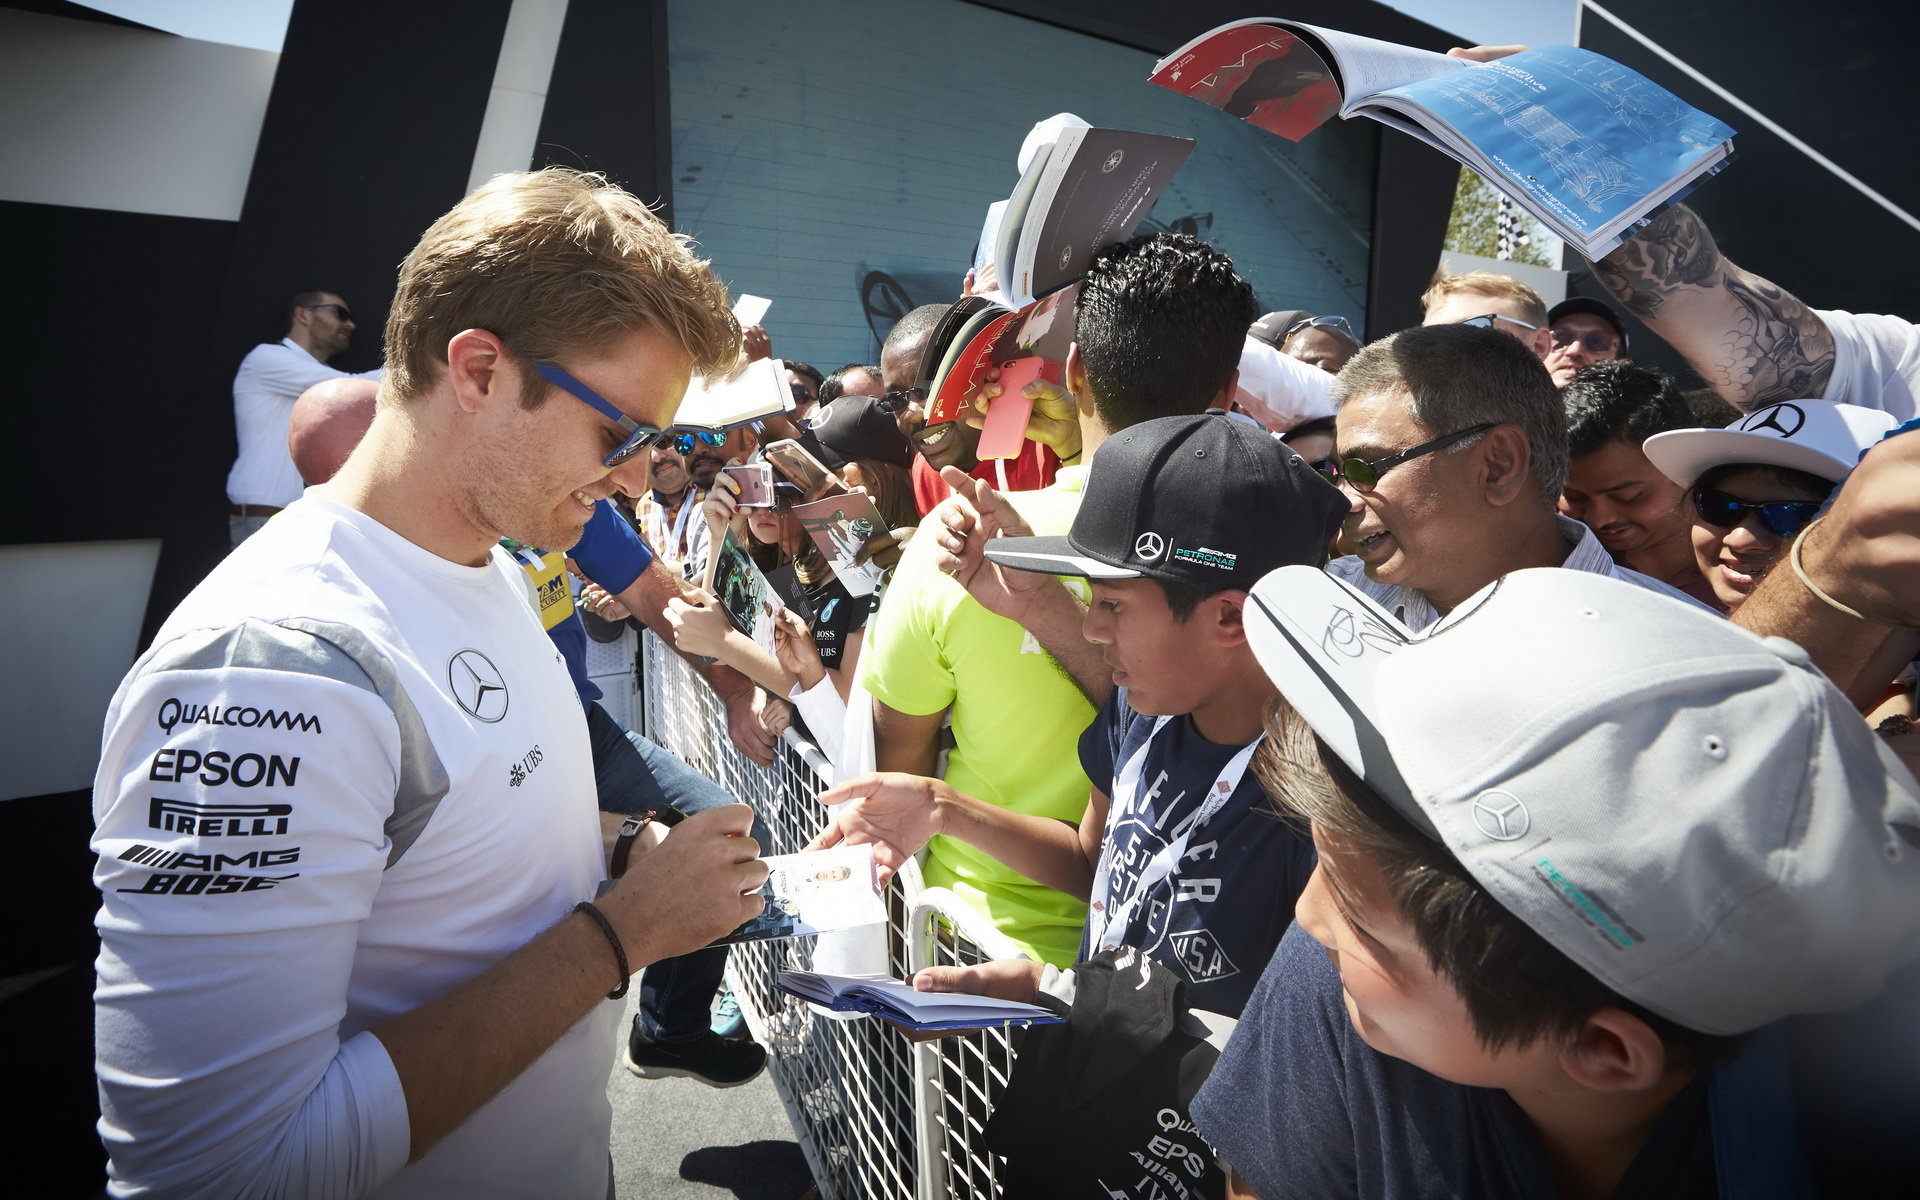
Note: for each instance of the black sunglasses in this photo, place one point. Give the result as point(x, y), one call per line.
point(339, 309)
point(1365, 476)
point(894, 402)
point(1487, 321)
point(1595, 341)
point(1784, 518)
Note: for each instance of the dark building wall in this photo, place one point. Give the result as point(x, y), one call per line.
point(369, 135)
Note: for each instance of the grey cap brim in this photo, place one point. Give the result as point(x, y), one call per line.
point(1322, 643)
point(1052, 556)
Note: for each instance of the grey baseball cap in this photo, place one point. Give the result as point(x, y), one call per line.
point(1689, 812)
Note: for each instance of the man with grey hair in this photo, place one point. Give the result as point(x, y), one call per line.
point(1453, 450)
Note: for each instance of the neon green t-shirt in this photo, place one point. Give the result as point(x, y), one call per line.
point(1017, 720)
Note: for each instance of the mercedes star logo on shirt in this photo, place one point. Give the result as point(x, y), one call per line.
point(477, 685)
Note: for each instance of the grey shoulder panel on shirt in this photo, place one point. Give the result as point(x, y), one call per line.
point(328, 650)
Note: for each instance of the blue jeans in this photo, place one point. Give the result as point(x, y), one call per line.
point(632, 775)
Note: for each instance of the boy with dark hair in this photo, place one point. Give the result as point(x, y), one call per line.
point(1637, 513)
point(935, 648)
point(1566, 916)
point(1178, 849)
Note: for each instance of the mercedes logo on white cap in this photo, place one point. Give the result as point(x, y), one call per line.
point(1501, 816)
point(477, 685)
point(1785, 419)
point(1149, 547)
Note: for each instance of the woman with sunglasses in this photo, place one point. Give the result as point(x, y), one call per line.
point(818, 636)
point(1754, 486)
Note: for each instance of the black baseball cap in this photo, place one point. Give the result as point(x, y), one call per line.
point(1592, 307)
point(1203, 500)
point(852, 427)
point(1272, 328)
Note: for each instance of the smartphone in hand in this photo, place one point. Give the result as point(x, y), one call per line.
point(756, 484)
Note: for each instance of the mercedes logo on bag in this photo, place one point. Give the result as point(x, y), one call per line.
point(477, 685)
point(1149, 547)
point(1784, 419)
point(1501, 816)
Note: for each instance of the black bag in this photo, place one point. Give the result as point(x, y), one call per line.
point(1098, 1106)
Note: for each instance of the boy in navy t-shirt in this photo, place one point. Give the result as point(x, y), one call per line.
point(1180, 853)
point(1588, 861)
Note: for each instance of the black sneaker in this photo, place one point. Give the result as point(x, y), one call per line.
point(713, 1060)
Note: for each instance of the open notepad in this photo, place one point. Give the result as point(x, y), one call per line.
point(896, 1001)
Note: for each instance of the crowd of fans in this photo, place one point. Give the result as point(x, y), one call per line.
point(1512, 748)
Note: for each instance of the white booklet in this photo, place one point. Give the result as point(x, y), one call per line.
point(895, 1000)
point(815, 891)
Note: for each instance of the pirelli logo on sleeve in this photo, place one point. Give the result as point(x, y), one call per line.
point(218, 820)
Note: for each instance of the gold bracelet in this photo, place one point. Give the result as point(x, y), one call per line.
point(1806, 581)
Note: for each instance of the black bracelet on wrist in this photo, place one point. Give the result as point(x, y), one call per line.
point(613, 939)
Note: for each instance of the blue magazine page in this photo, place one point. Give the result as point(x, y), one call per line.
point(1587, 139)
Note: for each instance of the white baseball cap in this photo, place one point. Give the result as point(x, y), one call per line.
point(1691, 813)
point(1816, 436)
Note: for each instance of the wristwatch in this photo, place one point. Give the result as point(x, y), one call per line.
point(630, 829)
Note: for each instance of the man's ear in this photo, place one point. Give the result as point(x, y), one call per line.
point(1228, 612)
point(1506, 465)
point(1614, 1051)
point(1224, 397)
point(1542, 341)
point(477, 369)
point(1076, 372)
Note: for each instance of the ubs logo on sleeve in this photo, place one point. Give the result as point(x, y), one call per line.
point(477, 686)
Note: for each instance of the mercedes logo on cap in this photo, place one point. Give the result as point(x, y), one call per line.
point(1149, 547)
point(1501, 816)
point(477, 685)
point(1784, 419)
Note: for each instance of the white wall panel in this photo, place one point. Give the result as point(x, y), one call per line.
point(104, 116)
point(71, 619)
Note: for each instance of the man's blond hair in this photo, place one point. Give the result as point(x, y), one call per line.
point(555, 263)
point(1486, 283)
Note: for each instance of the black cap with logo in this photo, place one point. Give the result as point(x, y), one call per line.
point(854, 427)
point(1203, 500)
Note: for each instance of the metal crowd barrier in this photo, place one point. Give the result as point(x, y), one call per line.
point(877, 1116)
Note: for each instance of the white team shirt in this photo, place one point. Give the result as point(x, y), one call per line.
point(349, 776)
point(1876, 362)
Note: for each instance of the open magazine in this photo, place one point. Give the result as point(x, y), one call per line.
point(1591, 148)
point(815, 891)
point(845, 529)
point(1083, 191)
point(976, 335)
point(895, 1000)
point(743, 591)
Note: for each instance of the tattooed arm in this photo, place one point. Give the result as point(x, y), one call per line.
point(1751, 340)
